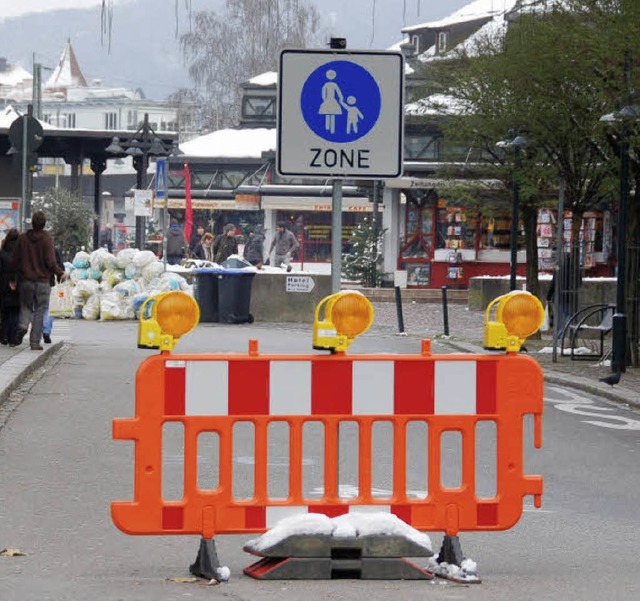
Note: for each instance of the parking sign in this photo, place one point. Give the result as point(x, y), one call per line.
point(340, 114)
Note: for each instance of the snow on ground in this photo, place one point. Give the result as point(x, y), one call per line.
point(344, 526)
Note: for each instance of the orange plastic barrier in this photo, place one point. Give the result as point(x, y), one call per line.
point(213, 393)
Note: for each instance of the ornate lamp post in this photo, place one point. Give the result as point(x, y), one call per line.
point(140, 146)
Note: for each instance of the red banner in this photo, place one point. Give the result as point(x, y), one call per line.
point(189, 209)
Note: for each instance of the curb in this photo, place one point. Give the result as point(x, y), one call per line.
point(562, 379)
point(17, 369)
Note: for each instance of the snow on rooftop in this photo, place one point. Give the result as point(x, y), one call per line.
point(269, 78)
point(7, 116)
point(471, 12)
point(67, 73)
point(436, 104)
point(232, 143)
point(13, 75)
point(347, 525)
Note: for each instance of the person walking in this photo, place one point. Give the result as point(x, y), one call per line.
point(285, 245)
point(254, 248)
point(176, 244)
point(225, 245)
point(34, 258)
point(47, 320)
point(9, 296)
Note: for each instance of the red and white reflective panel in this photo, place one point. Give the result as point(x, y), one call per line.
point(337, 387)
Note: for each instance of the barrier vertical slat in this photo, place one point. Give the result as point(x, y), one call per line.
point(295, 461)
point(434, 434)
point(191, 435)
point(226, 462)
point(365, 465)
point(469, 458)
point(261, 458)
point(331, 446)
point(400, 459)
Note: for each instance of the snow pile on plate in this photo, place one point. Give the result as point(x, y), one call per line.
point(347, 525)
point(111, 287)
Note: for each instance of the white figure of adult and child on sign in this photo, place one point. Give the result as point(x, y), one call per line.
point(333, 103)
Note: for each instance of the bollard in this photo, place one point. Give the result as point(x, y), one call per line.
point(399, 311)
point(445, 311)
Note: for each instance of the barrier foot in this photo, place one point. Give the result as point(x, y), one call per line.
point(451, 551)
point(207, 564)
point(451, 564)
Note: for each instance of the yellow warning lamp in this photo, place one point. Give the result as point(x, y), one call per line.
point(165, 318)
point(517, 315)
point(339, 318)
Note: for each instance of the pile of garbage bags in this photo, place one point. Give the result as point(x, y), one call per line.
point(108, 287)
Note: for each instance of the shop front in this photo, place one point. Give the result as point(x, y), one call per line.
point(444, 243)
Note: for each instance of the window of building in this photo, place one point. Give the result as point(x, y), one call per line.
point(110, 120)
point(132, 120)
point(415, 41)
point(422, 146)
point(443, 38)
point(254, 107)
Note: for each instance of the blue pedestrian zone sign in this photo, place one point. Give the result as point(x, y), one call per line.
point(340, 114)
point(340, 101)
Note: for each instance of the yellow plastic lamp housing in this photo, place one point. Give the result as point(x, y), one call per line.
point(518, 315)
point(164, 319)
point(339, 319)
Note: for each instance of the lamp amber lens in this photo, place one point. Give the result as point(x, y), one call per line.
point(177, 314)
point(522, 315)
point(352, 314)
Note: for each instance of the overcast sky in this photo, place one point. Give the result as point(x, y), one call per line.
point(357, 20)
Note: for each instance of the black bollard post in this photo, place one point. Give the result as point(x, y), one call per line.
point(399, 311)
point(445, 311)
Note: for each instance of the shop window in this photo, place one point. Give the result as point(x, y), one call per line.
point(455, 229)
point(496, 233)
point(595, 237)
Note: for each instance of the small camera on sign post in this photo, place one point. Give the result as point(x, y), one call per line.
point(338, 43)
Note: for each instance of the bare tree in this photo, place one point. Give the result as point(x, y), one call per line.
point(223, 51)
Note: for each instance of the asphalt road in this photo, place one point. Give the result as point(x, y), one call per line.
point(59, 471)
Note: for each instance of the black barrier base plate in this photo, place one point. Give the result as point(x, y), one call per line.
point(206, 564)
point(325, 568)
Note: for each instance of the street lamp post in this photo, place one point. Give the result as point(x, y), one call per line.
point(619, 327)
point(142, 144)
point(517, 142)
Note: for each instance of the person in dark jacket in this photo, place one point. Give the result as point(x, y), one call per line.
point(196, 238)
point(176, 244)
point(35, 259)
point(254, 248)
point(225, 245)
point(9, 296)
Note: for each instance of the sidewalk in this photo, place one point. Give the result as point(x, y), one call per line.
point(421, 320)
point(17, 363)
